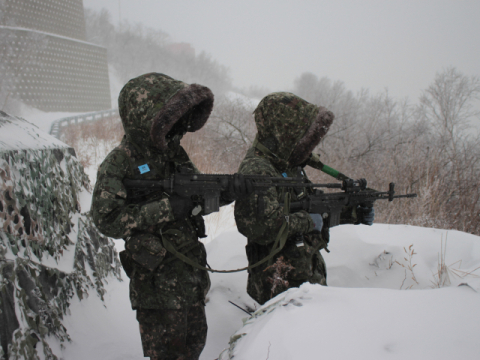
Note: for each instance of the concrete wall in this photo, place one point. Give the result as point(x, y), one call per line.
point(61, 17)
point(44, 60)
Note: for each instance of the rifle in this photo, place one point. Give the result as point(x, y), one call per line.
point(205, 189)
point(355, 193)
point(205, 192)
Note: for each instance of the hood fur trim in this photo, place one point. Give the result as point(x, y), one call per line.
point(192, 96)
point(312, 137)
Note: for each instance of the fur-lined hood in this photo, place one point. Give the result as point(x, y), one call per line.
point(151, 104)
point(290, 127)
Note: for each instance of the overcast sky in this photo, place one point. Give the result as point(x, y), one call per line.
point(374, 44)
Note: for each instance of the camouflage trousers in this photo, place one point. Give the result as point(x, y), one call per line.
point(265, 284)
point(173, 334)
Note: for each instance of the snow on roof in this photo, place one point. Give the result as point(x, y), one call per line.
point(19, 134)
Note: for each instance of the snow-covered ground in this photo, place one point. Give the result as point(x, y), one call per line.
point(362, 314)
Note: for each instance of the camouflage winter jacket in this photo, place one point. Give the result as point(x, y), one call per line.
point(288, 130)
point(156, 111)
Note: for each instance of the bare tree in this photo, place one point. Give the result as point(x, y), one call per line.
point(449, 103)
point(427, 148)
point(230, 131)
point(454, 152)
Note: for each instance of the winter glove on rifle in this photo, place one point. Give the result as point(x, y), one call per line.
point(318, 221)
point(239, 188)
point(365, 214)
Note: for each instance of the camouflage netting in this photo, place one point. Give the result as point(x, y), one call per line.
point(49, 250)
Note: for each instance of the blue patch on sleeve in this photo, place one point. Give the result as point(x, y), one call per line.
point(144, 169)
point(284, 175)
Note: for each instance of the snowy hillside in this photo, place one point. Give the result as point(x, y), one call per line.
point(314, 322)
point(361, 314)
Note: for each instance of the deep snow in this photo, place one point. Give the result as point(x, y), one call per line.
point(362, 314)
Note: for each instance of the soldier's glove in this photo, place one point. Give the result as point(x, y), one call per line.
point(365, 214)
point(238, 188)
point(318, 221)
point(181, 207)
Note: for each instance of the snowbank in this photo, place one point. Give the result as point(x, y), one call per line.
point(358, 315)
point(353, 318)
point(314, 322)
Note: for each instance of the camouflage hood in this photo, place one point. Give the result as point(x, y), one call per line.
point(290, 127)
point(151, 104)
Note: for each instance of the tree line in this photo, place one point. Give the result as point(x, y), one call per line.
point(429, 147)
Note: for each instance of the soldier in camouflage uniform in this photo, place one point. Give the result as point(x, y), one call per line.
point(168, 294)
point(289, 128)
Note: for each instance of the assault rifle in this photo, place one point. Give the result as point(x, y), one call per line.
point(205, 190)
point(355, 193)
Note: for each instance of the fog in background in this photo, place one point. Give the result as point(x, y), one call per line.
point(398, 45)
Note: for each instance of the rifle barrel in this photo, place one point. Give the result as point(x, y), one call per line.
point(296, 185)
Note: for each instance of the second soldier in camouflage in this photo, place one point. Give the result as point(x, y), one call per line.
point(289, 128)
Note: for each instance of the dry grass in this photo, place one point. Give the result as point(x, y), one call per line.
point(92, 141)
point(408, 266)
point(445, 273)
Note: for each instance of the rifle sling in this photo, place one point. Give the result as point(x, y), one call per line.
point(280, 242)
point(258, 145)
